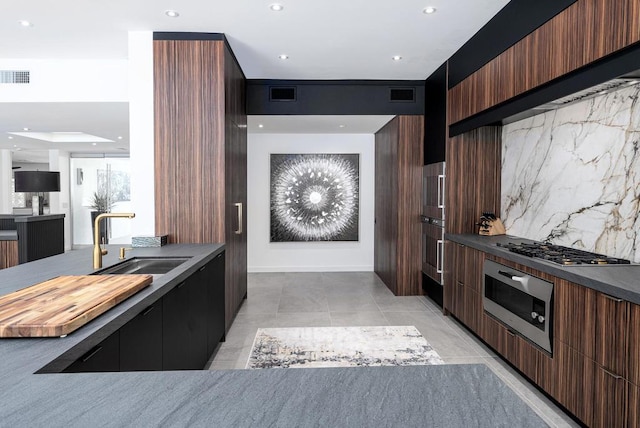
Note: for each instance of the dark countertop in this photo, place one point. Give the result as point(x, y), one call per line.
point(459, 395)
point(31, 218)
point(8, 235)
point(621, 281)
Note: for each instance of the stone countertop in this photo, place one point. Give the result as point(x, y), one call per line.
point(8, 235)
point(459, 395)
point(621, 281)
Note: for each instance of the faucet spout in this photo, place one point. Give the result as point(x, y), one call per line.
point(98, 251)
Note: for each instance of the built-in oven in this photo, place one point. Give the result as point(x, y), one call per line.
point(521, 301)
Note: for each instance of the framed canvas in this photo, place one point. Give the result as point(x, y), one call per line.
point(315, 197)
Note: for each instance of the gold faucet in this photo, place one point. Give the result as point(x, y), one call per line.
point(98, 252)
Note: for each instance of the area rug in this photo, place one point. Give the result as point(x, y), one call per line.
point(340, 347)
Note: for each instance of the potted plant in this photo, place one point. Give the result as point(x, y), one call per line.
point(100, 203)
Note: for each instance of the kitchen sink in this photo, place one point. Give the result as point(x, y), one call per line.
point(144, 265)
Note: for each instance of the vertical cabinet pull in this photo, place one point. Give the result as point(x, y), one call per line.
point(441, 191)
point(439, 249)
point(613, 299)
point(91, 353)
point(239, 208)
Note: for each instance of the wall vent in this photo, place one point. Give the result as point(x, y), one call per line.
point(13, 76)
point(282, 93)
point(402, 95)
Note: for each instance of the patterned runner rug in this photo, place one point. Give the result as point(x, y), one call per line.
point(340, 347)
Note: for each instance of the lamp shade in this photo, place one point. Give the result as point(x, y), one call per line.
point(37, 181)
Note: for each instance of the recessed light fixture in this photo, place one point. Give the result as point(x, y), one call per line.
point(171, 13)
point(94, 144)
point(260, 126)
point(396, 57)
point(276, 7)
point(119, 137)
point(25, 129)
point(341, 126)
point(283, 56)
point(429, 10)
point(10, 137)
point(25, 23)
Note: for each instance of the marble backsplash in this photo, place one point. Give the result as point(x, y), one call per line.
point(572, 176)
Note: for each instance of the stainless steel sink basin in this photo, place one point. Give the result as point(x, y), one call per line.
point(144, 265)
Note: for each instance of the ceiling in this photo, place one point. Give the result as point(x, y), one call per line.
point(331, 39)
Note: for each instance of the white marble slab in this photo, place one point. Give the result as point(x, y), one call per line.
point(572, 176)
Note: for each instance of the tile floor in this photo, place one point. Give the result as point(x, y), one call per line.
point(361, 299)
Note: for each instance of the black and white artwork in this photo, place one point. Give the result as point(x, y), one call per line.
point(314, 197)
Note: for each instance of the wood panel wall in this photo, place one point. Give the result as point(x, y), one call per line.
point(201, 153)
point(584, 32)
point(189, 140)
point(472, 178)
point(397, 247)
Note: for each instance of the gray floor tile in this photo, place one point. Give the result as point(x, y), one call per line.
point(351, 302)
point(361, 299)
point(303, 319)
point(363, 319)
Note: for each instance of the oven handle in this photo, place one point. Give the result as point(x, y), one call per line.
point(521, 279)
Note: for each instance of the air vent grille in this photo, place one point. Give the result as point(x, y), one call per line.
point(280, 93)
point(13, 76)
point(407, 95)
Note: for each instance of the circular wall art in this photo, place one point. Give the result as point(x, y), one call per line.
point(314, 197)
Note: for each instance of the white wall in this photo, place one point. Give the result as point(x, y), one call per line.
point(72, 80)
point(141, 145)
point(264, 256)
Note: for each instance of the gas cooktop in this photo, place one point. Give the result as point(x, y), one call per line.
point(564, 256)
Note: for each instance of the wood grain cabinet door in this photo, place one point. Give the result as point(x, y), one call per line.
point(574, 381)
point(612, 338)
point(610, 399)
point(634, 345)
point(575, 316)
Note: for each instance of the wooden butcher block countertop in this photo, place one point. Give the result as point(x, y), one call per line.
point(61, 305)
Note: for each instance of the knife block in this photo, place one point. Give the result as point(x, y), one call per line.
point(492, 228)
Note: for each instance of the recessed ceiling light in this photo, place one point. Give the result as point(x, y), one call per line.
point(171, 13)
point(396, 58)
point(283, 56)
point(94, 144)
point(10, 137)
point(341, 126)
point(25, 129)
point(119, 137)
point(429, 10)
point(260, 126)
point(276, 7)
point(25, 23)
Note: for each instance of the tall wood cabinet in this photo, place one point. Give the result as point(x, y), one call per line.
point(201, 150)
point(398, 183)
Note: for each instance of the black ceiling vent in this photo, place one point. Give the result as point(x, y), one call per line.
point(402, 95)
point(282, 93)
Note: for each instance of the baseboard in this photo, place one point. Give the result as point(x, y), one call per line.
point(267, 269)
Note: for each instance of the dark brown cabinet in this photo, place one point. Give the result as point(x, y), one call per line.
point(463, 284)
point(398, 190)
point(141, 341)
point(201, 150)
point(574, 381)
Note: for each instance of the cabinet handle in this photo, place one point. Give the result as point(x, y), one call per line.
point(202, 268)
point(218, 256)
point(91, 353)
point(146, 311)
point(181, 284)
point(239, 208)
point(439, 262)
point(510, 333)
point(615, 299)
point(441, 191)
point(615, 376)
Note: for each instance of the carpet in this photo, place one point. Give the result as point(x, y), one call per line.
point(340, 347)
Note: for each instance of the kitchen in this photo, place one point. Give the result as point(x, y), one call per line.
point(464, 222)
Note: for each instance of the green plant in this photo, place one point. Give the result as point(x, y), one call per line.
point(101, 202)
